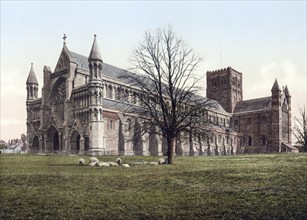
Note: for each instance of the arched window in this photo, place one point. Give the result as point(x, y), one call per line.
point(249, 121)
point(250, 141)
point(219, 138)
point(263, 140)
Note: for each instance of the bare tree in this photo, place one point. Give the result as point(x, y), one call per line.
point(300, 128)
point(168, 87)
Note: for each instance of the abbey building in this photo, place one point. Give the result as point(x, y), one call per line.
point(83, 110)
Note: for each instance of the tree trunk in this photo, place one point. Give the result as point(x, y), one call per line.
point(170, 150)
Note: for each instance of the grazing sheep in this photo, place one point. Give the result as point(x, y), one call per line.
point(102, 164)
point(112, 164)
point(93, 159)
point(118, 161)
point(125, 165)
point(139, 163)
point(153, 163)
point(92, 164)
point(161, 161)
point(81, 162)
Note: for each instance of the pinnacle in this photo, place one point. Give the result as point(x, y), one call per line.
point(275, 86)
point(32, 77)
point(95, 53)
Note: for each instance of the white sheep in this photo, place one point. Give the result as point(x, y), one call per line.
point(81, 162)
point(154, 163)
point(125, 165)
point(112, 164)
point(93, 159)
point(92, 164)
point(102, 164)
point(118, 161)
point(162, 161)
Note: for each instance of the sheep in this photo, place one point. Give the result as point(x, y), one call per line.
point(161, 161)
point(125, 165)
point(118, 161)
point(112, 164)
point(102, 164)
point(92, 164)
point(93, 159)
point(139, 163)
point(154, 163)
point(81, 162)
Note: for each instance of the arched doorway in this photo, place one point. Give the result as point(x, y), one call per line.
point(75, 142)
point(35, 145)
point(53, 140)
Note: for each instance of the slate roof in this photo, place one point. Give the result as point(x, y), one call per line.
point(118, 73)
point(253, 105)
point(32, 77)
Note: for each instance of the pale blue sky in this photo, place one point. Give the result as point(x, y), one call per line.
point(262, 39)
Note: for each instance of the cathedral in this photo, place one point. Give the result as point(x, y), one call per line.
point(83, 111)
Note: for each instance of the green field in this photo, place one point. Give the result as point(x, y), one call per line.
point(228, 187)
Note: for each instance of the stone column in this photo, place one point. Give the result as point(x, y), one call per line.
point(82, 147)
point(40, 144)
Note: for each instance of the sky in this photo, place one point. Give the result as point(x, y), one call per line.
point(264, 40)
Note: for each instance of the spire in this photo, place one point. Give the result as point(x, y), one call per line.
point(287, 93)
point(32, 77)
point(275, 86)
point(95, 53)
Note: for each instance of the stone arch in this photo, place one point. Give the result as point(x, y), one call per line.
point(75, 142)
point(53, 139)
point(35, 145)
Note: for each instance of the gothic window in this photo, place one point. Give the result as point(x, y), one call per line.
point(249, 141)
point(109, 92)
point(220, 139)
point(263, 140)
point(134, 98)
point(60, 93)
point(110, 124)
point(129, 124)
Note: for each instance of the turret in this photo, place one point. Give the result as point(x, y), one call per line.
point(32, 85)
point(276, 126)
point(288, 95)
point(276, 94)
point(95, 62)
point(96, 122)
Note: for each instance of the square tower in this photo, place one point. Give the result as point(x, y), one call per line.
point(225, 86)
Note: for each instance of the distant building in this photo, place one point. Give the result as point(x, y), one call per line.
point(264, 122)
point(82, 111)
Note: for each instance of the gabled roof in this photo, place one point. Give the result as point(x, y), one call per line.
point(32, 77)
point(253, 105)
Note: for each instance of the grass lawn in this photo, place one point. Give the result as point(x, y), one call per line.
point(229, 187)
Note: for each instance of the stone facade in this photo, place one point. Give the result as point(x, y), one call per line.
point(264, 122)
point(83, 109)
